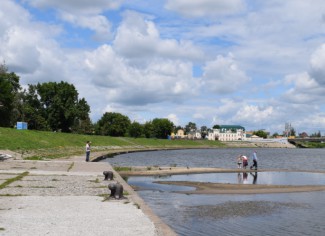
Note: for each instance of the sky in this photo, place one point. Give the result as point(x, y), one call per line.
point(258, 64)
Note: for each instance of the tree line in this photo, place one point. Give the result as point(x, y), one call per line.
point(53, 106)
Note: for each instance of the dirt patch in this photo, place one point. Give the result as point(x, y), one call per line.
point(240, 209)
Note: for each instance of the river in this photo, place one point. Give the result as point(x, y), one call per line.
point(234, 214)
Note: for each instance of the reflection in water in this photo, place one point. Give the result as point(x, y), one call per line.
point(239, 178)
point(245, 178)
point(271, 178)
point(254, 177)
point(242, 178)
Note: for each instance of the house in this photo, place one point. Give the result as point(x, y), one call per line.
point(179, 134)
point(228, 133)
point(303, 135)
point(194, 134)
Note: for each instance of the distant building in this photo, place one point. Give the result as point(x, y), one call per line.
point(228, 133)
point(179, 134)
point(303, 135)
point(194, 134)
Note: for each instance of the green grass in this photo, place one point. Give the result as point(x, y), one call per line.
point(37, 145)
point(310, 144)
point(122, 168)
point(71, 166)
point(11, 180)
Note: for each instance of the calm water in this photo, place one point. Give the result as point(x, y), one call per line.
point(269, 158)
point(224, 214)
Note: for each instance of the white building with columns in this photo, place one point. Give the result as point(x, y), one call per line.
point(228, 133)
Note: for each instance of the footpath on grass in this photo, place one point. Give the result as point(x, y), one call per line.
point(70, 197)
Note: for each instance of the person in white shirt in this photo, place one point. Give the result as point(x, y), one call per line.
point(87, 150)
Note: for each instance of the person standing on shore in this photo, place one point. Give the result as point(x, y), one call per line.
point(254, 161)
point(245, 161)
point(239, 161)
point(87, 150)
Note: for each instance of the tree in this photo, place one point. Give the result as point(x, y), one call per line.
point(58, 104)
point(148, 130)
point(162, 127)
point(190, 127)
point(113, 124)
point(178, 128)
point(32, 110)
point(135, 130)
point(82, 122)
point(275, 135)
point(9, 87)
point(260, 133)
point(204, 131)
point(316, 135)
point(216, 127)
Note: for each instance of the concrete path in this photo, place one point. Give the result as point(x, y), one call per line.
point(70, 197)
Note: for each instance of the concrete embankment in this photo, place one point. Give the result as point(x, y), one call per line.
point(70, 197)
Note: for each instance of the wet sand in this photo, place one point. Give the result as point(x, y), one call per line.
point(240, 209)
point(221, 188)
point(217, 188)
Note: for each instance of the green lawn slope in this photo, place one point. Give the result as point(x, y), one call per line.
point(40, 144)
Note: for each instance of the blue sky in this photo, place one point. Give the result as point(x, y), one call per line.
point(254, 63)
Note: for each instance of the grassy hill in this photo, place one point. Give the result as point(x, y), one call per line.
point(40, 144)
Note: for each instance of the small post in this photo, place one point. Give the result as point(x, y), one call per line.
point(112, 187)
point(119, 191)
point(116, 190)
point(108, 175)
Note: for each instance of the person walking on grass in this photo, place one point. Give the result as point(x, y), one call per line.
point(87, 150)
point(254, 161)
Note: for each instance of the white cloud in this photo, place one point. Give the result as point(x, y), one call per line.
point(28, 47)
point(308, 87)
point(158, 81)
point(98, 23)
point(138, 39)
point(173, 118)
point(21, 55)
point(318, 65)
point(205, 8)
point(84, 14)
point(223, 75)
point(254, 114)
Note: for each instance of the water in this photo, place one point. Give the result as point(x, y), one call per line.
point(270, 178)
point(238, 214)
point(269, 158)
